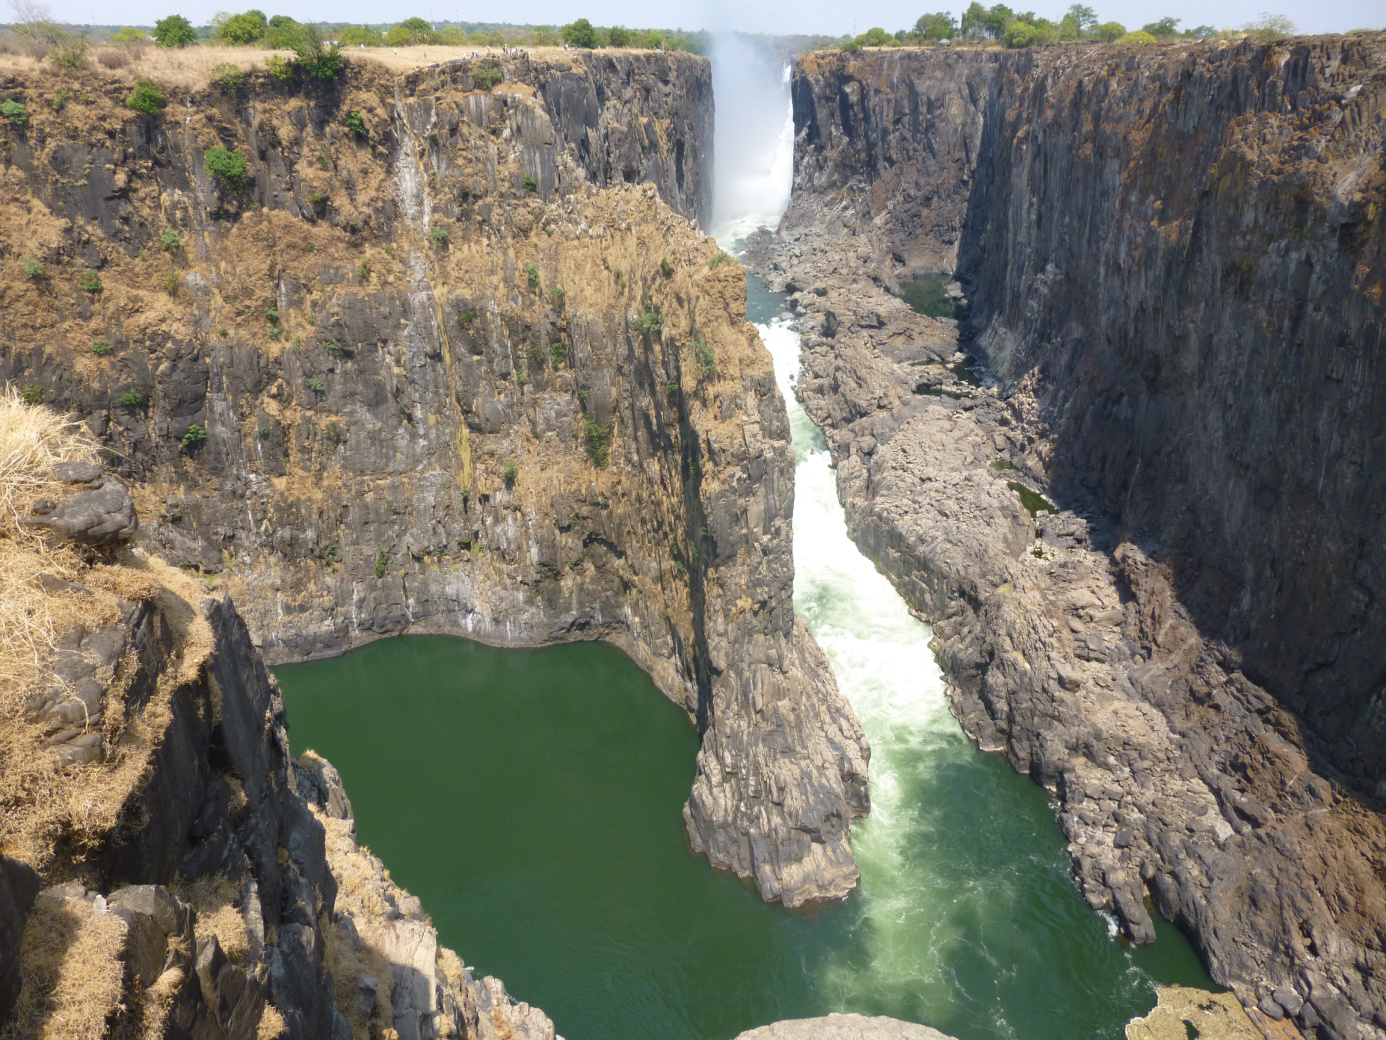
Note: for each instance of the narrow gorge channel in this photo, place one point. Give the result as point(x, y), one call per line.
point(531, 798)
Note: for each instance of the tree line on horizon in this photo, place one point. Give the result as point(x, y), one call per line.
point(254, 28)
point(999, 24)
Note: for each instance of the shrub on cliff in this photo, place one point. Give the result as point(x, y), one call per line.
point(146, 98)
point(1139, 36)
point(241, 30)
point(174, 31)
point(227, 166)
point(15, 112)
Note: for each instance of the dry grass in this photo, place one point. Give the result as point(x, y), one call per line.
point(156, 1002)
point(272, 1025)
point(216, 902)
point(70, 961)
point(192, 66)
point(40, 798)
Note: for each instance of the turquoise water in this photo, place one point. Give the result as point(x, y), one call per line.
point(532, 799)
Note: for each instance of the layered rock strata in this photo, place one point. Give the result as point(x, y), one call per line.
point(1169, 255)
point(419, 369)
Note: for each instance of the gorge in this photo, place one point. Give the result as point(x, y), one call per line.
point(550, 421)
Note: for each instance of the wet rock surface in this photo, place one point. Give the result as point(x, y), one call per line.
point(1073, 642)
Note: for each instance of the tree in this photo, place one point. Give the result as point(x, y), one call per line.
point(937, 26)
point(174, 31)
point(283, 31)
point(241, 30)
point(617, 36)
point(1271, 27)
point(419, 30)
point(128, 35)
point(1109, 32)
point(875, 37)
point(972, 20)
point(1029, 31)
point(1139, 36)
point(581, 34)
point(356, 35)
point(1162, 29)
point(1085, 16)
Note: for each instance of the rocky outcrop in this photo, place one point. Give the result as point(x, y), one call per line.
point(434, 364)
point(1194, 767)
point(843, 1027)
point(188, 887)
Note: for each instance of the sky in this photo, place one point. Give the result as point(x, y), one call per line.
point(830, 17)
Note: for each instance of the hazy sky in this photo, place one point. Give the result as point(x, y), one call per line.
point(774, 16)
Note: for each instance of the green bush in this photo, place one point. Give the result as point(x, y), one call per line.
point(532, 273)
point(146, 98)
point(15, 112)
point(226, 165)
point(597, 440)
point(135, 399)
point(558, 354)
point(59, 100)
point(171, 238)
point(355, 124)
point(332, 348)
point(315, 385)
point(704, 356)
point(651, 321)
point(227, 77)
point(277, 67)
point(538, 357)
point(486, 76)
point(89, 282)
point(381, 559)
point(33, 270)
point(363, 271)
point(530, 183)
point(172, 282)
point(510, 473)
point(31, 394)
point(438, 236)
point(102, 347)
point(1139, 36)
point(195, 436)
point(717, 261)
point(557, 293)
point(174, 31)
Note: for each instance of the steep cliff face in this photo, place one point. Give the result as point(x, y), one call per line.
point(1173, 258)
point(447, 382)
point(189, 887)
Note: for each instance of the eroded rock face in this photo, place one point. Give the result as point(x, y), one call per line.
point(458, 373)
point(1087, 645)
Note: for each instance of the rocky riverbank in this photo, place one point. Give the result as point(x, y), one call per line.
point(1070, 638)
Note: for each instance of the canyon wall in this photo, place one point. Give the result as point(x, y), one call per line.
point(1173, 258)
point(178, 875)
point(443, 360)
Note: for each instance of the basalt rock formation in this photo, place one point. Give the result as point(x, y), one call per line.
point(194, 881)
point(1174, 260)
point(433, 362)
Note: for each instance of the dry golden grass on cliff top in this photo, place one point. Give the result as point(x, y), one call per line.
point(192, 66)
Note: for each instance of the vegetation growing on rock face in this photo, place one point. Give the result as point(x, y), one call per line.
point(227, 166)
point(146, 98)
point(15, 112)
